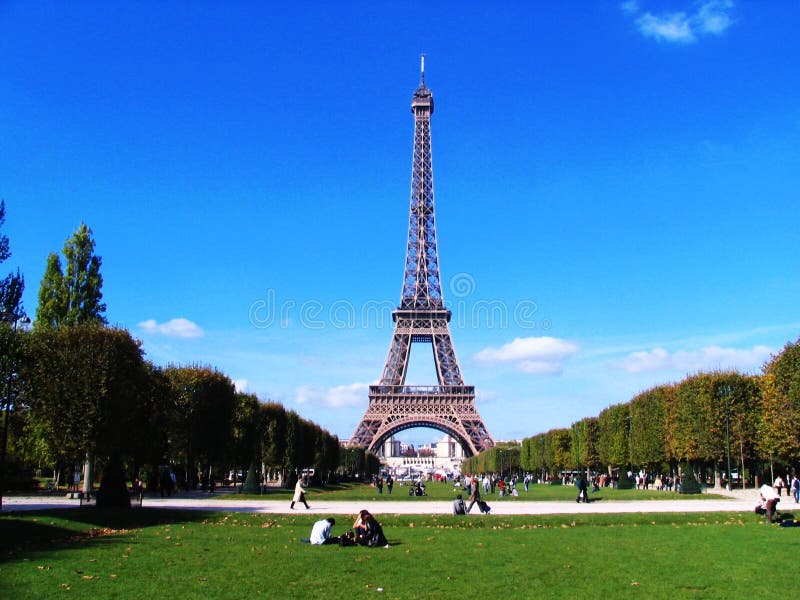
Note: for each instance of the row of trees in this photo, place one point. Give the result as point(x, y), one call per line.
point(708, 420)
point(79, 390)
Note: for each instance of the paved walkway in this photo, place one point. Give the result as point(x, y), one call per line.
point(737, 500)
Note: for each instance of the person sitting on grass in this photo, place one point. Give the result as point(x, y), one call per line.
point(370, 533)
point(321, 533)
point(459, 507)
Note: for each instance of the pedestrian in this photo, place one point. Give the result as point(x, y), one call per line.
point(475, 496)
point(581, 485)
point(795, 488)
point(299, 494)
point(321, 533)
point(379, 485)
point(778, 484)
point(389, 484)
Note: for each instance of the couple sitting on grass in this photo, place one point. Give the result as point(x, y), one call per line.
point(366, 532)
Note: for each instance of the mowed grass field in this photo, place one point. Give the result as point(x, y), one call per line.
point(143, 553)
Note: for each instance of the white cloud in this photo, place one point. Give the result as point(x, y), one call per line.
point(711, 17)
point(674, 27)
point(354, 394)
point(177, 328)
point(535, 355)
point(630, 7)
point(688, 361)
point(241, 385)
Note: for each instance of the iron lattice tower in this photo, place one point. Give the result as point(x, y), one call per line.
point(422, 318)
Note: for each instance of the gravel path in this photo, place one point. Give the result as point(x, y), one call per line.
point(738, 500)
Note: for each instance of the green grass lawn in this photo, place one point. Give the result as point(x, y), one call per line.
point(445, 491)
point(90, 553)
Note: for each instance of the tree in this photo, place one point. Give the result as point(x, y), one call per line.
point(614, 427)
point(584, 443)
point(12, 286)
point(246, 447)
point(779, 426)
point(87, 387)
point(273, 432)
point(52, 309)
point(647, 414)
point(74, 296)
point(201, 424)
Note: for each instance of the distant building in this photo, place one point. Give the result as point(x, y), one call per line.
point(444, 455)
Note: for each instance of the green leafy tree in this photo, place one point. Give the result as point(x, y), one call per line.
point(74, 296)
point(559, 448)
point(352, 461)
point(778, 428)
point(246, 443)
point(584, 441)
point(273, 432)
point(614, 427)
point(86, 387)
point(201, 421)
point(12, 286)
point(647, 419)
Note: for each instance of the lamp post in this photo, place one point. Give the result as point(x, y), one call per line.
point(12, 320)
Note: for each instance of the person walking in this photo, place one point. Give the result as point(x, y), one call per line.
point(389, 484)
point(582, 490)
point(299, 494)
point(474, 496)
point(778, 485)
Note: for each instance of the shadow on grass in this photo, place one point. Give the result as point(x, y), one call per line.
point(43, 530)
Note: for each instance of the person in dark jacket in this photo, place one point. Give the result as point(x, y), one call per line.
point(370, 533)
point(582, 491)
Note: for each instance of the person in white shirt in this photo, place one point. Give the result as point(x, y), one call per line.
point(769, 501)
point(321, 532)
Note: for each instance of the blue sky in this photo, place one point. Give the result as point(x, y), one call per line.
point(616, 186)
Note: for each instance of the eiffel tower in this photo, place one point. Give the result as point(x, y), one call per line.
point(422, 318)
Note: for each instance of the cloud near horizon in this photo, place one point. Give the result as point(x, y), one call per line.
point(708, 18)
point(176, 328)
point(708, 358)
point(534, 355)
point(341, 396)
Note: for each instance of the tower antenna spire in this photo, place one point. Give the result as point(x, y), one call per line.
point(422, 70)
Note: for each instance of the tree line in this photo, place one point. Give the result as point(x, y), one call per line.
point(702, 423)
point(80, 391)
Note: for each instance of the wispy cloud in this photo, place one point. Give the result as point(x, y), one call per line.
point(711, 17)
point(687, 361)
point(341, 396)
point(176, 328)
point(534, 355)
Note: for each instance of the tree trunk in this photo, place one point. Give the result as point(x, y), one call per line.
point(113, 491)
point(88, 475)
